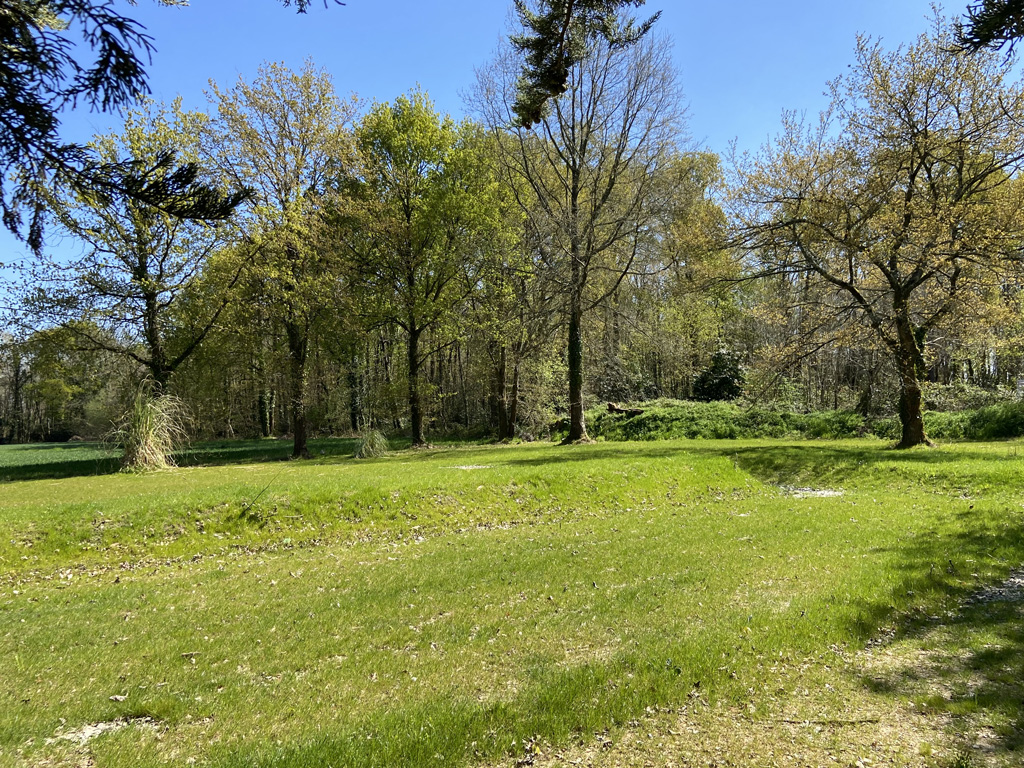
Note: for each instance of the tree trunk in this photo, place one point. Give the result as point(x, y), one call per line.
point(298, 345)
point(161, 378)
point(513, 401)
point(355, 391)
point(909, 361)
point(265, 408)
point(577, 424)
point(501, 393)
point(415, 406)
point(17, 408)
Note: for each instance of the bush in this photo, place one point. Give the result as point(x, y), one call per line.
point(834, 425)
point(373, 445)
point(721, 380)
point(673, 419)
point(668, 419)
point(151, 430)
point(995, 422)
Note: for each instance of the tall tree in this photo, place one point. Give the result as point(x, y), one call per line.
point(416, 214)
point(902, 200)
point(556, 37)
point(591, 172)
point(286, 138)
point(141, 264)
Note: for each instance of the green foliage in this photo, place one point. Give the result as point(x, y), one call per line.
point(992, 24)
point(964, 397)
point(840, 203)
point(374, 445)
point(140, 264)
point(721, 380)
point(150, 431)
point(995, 422)
point(557, 37)
point(46, 69)
point(674, 419)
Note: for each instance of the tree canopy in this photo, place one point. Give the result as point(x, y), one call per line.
point(992, 24)
point(901, 203)
point(62, 54)
point(556, 37)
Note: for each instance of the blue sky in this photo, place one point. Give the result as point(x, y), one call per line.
point(741, 62)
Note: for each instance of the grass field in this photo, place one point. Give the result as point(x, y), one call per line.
point(509, 605)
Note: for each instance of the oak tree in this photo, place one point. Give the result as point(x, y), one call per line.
point(902, 200)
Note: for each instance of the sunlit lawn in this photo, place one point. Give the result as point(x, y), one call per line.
point(451, 606)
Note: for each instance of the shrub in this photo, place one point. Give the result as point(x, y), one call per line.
point(721, 380)
point(834, 425)
point(150, 431)
point(373, 445)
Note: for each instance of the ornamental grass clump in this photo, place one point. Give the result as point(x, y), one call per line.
point(373, 445)
point(148, 434)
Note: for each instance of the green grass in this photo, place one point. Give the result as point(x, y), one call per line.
point(446, 607)
point(36, 461)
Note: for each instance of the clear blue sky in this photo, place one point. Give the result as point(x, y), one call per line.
point(741, 62)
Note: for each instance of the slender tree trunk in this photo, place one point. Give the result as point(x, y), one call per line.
point(909, 361)
point(265, 408)
point(415, 405)
point(577, 424)
point(513, 401)
point(355, 400)
point(298, 347)
point(501, 393)
point(17, 407)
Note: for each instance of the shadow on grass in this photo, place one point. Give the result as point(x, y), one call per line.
point(784, 462)
point(53, 461)
point(965, 658)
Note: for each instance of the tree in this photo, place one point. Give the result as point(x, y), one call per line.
point(902, 201)
point(592, 175)
point(415, 213)
point(41, 74)
point(556, 37)
point(285, 137)
point(141, 265)
point(45, 68)
point(992, 24)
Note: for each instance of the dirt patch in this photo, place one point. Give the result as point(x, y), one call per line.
point(87, 733)
point(811, 493)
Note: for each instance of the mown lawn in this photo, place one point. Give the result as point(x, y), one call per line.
point(462, 606)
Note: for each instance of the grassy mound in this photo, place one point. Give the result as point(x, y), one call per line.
point(994, 422)
point(676, 419)
point(682, 419)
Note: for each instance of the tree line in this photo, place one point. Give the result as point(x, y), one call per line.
point(386, 266)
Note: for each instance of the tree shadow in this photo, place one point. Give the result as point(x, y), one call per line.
point(51, 461)
point(603, 452)
point(965, 658)
point(841, 461)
